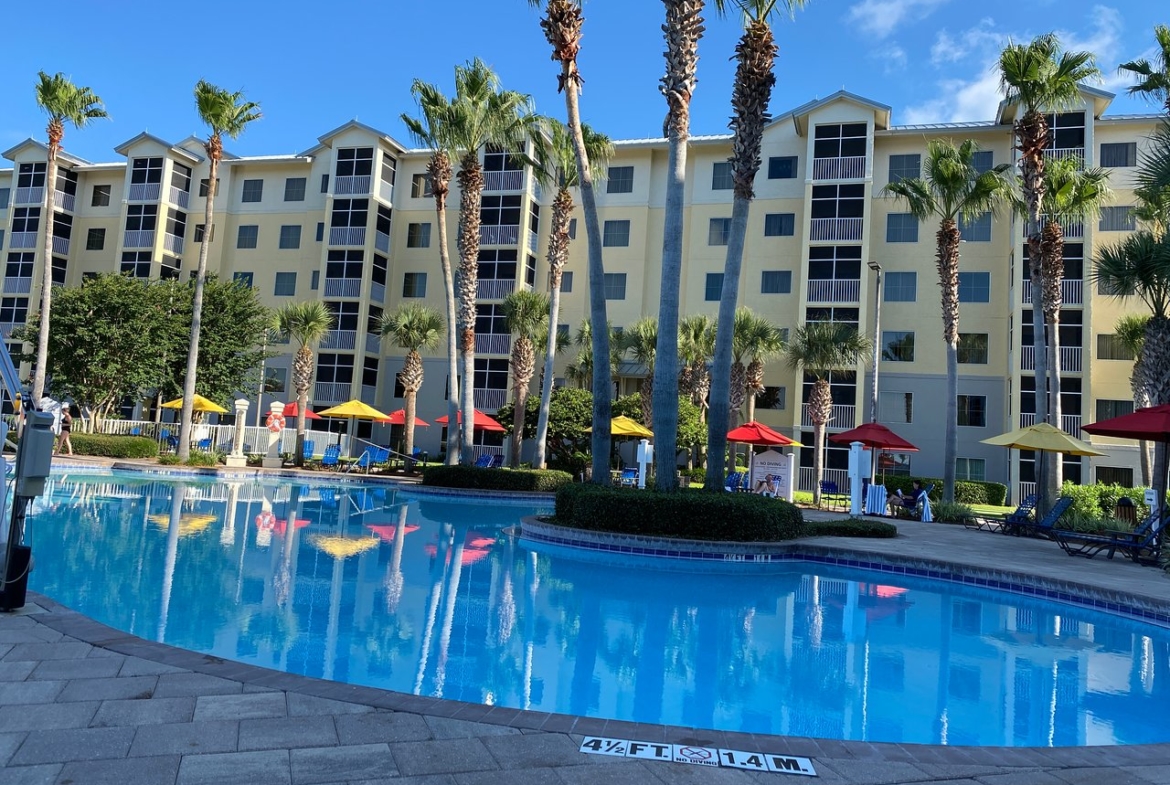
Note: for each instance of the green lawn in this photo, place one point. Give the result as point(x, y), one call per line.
point(991, 509)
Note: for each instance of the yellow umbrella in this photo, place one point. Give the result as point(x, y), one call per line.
point(342, 547)
point(626, 426)
point(200, 404)
point(354, 408)
point(1043, 437)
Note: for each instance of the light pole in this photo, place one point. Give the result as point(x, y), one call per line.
point(877, 340)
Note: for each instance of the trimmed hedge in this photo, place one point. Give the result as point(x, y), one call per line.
point(113, 446)
point(966, 491)
point(739, 517)
point(546, 480)
point(1100, 501)
point(850, 527)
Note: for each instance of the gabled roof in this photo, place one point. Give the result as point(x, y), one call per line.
point(1006, 114)
point(799, 115)
point(62, 156)
point(124, 148)
point(326, 139)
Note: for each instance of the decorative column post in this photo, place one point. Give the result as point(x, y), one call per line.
point(236, 458)
point(275, 424)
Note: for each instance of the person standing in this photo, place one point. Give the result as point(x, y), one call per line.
point(66, 426)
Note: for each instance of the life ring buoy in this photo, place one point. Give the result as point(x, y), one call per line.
point(275, 422)
point(265, 521)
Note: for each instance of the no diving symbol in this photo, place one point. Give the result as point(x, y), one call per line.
point(703, 756)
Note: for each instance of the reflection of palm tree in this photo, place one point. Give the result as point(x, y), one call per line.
point(438, 572)
point(177, 497)
point(452, 591)
point(283, 580)
point(394, 571)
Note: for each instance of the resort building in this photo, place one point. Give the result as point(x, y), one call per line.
point(350, 221)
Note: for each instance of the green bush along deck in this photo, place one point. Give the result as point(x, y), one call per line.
point(110, 446)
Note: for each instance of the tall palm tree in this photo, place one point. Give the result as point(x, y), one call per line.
point(696, 347)
point(951, 188)
point(1153, 78)
point(1039, 77)
point(307, 322)
point(755, 55)
point(819, 348)
point(64, 102)
point(765, 342)
point(432, 129)
point(526, 314)
point(640, 341)
point(481, 114)
point(562, 24)
point(558, 168)
point(682, 30)
point(1130, 332)
point(583, 369)
point(226, 114)
point(412, 327)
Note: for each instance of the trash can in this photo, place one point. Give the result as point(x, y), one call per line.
point(1126, 511)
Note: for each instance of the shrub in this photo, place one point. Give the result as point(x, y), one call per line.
point(696, 476)
point(741, 517)
point(952, 512)
point(169, 459)
point(495, 479)
point(202, 459)
point(1100, 501)
point(966, 491)
point(850, 527)
point(110, 446)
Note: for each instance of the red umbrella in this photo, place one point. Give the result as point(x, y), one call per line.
point(290, 411)
point(482, 422)
point(387, 532)
point(757, 433)
point(875, 436)
point(1150, 424)
point(399, 418)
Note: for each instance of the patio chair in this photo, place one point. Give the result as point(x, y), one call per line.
point(485, 461)
point(629, 478)
point(172, 441)
point(331, 458)
point(917, 511)
point(733, 482)
point(382, 457)
point(135, 431)
point(1139, 544)
point(1025, 513)
point(204, 444)
point(365, 461)
point(832, 497)
point(307, 449)
point(1043, 527)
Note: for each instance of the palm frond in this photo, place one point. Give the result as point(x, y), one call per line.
point(412, 327)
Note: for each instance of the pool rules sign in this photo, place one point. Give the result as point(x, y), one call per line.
point(698, 756)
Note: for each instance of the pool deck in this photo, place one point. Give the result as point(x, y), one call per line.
point(81, 702)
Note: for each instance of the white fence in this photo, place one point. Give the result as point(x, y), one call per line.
point(499, 235)
point(842, 416)
point(1070, 358)
point(834, 290)
point(255, 438)
point(836, 228)
point(848, 168)
point(144, 192)
point(64, 201)
point(179, 197)
point(345, 235)
point(512, 180)
point(351, 184)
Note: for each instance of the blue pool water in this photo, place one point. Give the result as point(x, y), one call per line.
point(371, 585)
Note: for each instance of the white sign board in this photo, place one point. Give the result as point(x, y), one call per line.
point(698, 755)
point(779, 466)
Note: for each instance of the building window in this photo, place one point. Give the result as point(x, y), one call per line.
point(973, 411)
point(718, 231)
point(896, 408)
point(721, 179)
point(247, 236)
point(1107, 409)
point(290, 236)
point(325, 183)
point(901, 228)
point(971, 469)
point(772, 398)
point(294, 189)
point(139, 218)
point(898, 346)
point(199, 229)
point(620, 180)
point(572, 228)
point(782, 167)
point(972, 348)
point(315, 280)
point(776, 282)
point(286, 285)
point(974, 287)
point(1119, 154)
point(335, 368)
point(414, 284)
point(905, 167)
point(900, 287)
point(418, 235)
point(780, 225)
point(976, 230)
point(60, 271)
point(566, 282)
point(1110, 348)
point(101, 196)
point(616, 234)
point(983, 161)
point(840, 140)
point(838, 201)
point(714, 289)
point(14, 310)
point(320, 231)
point(1115, 475)
point(203, 187)
point(615, 286)
point(2, 238)
point(136, 263)
point(95, 240)
point(253, 190)
point(5, 193)
point(1117, 219)
point(420, 186)
point(388, 172)
point(243, 279)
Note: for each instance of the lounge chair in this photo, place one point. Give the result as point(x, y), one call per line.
point(365, 461)
point(307, 449)
point(1025, 513)
point(1042, 528)
point(629, 477)
point(1139, 545)
point(831, 496)
point(734, 481)
point(172, 441)
point(917, 511)
point(485, 461)
point(331, 458)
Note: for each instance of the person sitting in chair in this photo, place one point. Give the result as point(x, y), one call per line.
point(905, 501)
point(766, 486)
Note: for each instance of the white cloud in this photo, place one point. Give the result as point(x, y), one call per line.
point(892, 57)
point(976, 40)
point(881, 17)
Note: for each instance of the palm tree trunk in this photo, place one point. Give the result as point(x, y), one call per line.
point(408, 424)
point(197, 306)
point(520, 395)
point(720, 409)
point(948, 279)
point(452, 334)
point(1155, 359)
point(1040, 355)
point(302, 421)
point(557, 250)
point(470, 198)
point(818, 460)
point(1052, 246)
point(1141, 399)
point(38, 391)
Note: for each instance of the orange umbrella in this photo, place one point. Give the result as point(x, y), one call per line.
point(399, 418)
point(482, 422)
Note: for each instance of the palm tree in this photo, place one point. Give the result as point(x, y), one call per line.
point(750, 95)
point(525, 313)
point(481, 114)
point(411, 327)
point(562, 24)
point(432, 129)
point(64, 102)
point(1130, 332)
point(558, 168)
point(226, 114)
point(583, 369)
point(951, 188)
point(1040, 78)
point(682, 30)
point(818, 348)
point(1154, 79)
point(765, 342)
point(640, 340)
point(696, 347)
point(307, 322)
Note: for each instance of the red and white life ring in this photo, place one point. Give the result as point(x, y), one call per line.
point(265, 521)
point(275, 422)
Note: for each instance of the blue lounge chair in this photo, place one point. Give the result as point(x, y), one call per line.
point(172, 441)
point(307, 449)
point(734, 481)
point(484, 461)
point(1139, 545)
point(204, 444)
point(629, 477)
point(832, 496)
point(330, 460)
point(135, 431)
point(382, 457)
point(1042, 528)
point(1024, 514)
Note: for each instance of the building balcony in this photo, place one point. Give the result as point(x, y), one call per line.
point(347, 235)
point(490, 400)
point(1070, 359)
point(834, 290)
point(373, 343)
point(382, 242)
point(848, 168)
point(17, 285)
point(179, 198)
point(22, 240)
point(61, 245)
point(343, 287)
point(1073, 230)
point(511, 180)
point(842, 418)
point(835, 229)
point(138, 238)
point(339, 339)
point(1069, 423)
point(493, 343)
point(351, 185)
point(144, 192)
point(499, 235)
point(494, 289)
point(1061, 153)
point(32, 195)
point(64, 201)
point(172, 243)
point(1072, 292)
point(330, 392)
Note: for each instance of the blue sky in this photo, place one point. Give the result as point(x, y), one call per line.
point(313, 66)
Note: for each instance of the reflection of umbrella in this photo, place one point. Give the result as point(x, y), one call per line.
point(281, 526)
point(1149, 424)
point(353, 409)
point(482, 422)
point(199, 404)
point(626, 426)
point(291, 410)
point(342, 547)
point(387, 531)
point(757, 433)
point(475, 547)
point(189, 523)
point(398, 417)
point(1043, 437)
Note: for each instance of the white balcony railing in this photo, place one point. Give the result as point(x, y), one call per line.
point(1073, 230)
point(490, 400)
point(172, 243)
point(1070, 359)
point(17, 285)
point(373, 343)
point(351, 184)
point(6, 328)
point(330, 391)
point(382, 242)
point(369, 394)
point(385, 192)
point(64, 201)
point(848, 168)
point(533, 240)
point(1069, 423)
point(835, 290)
point(61, 245)
point(494, 289)
point(836, 229)
point(1072, 292)
point(339, 339)
point(842, 416)
point(378, 292)
point(179, 197)
point(1061, 153)
point(144, 192)
point(503, 181)
point(138, 238)
point(22, 240)
point(499, 235)
point(493, 343)
point(808, 478)
point(343, 287)
point(31, 195)
point(347, 235)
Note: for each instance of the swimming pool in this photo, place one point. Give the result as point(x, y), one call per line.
point(374, 585)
